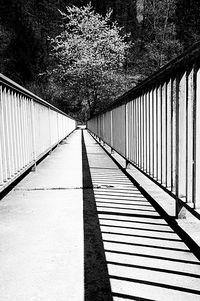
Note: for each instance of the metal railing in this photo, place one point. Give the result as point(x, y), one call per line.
point(156, 127)
point(29, 128)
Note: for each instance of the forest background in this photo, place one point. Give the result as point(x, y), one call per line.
point(156, 30)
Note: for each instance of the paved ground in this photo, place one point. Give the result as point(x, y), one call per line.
point(66, 227)
point(41, 231)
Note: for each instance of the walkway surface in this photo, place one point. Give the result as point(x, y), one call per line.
point(78, 229)
point(41, 231)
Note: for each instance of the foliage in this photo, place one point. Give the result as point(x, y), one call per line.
point(157, 43)
point(89, 55)
point(188, 21)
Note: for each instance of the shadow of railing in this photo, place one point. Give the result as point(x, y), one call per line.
point(130, 246)
point(97, 284)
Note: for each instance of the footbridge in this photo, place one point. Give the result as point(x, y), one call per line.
point(107, 212)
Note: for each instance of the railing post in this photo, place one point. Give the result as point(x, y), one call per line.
point(126, 137)
point(168, 135)
point(190, 135)
point(1, 139)
point(33, 134)
point(111, 132)
point(182, 138)
point(155, 130)
point(197, 140)
point(50, 136)
point(58, 129)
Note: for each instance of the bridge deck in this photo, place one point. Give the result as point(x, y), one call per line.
point(79, 226)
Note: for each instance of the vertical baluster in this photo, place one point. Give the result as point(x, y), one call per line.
point(126, 132)
point(103, 127)
point(196, 130)
point(190, 137)
point(155, 136)
point(17, 132)
point(2, 148)
point(164, 141)
point(130, 130)
point(18, 146)
point(168, 135)
point(182, 138)
point(135, 133)
point(24, 130)
point(30, 127)
point(112, 130)
point(173, 138)
point(148, 136)
point(33, 133)
point(142, 131)
point(7, 134)
point(14, 105)
point(138, 131)
point(10, 124)
point(151, 136)
point(14, 142)
point(20, 131)
point(29, 130)
point(49, 123)
point(176, 143)
point(145, 132)
point(11, 129)
point(135, 126)
point(159, 122)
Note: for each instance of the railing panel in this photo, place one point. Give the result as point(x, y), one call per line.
point(156, 127)
point(29, 128)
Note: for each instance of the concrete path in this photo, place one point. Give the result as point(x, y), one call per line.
point(41, 231)
point(77, 229)
point(146, 260)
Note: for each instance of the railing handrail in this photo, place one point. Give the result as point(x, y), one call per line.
point(178, 63)
point(12, 84)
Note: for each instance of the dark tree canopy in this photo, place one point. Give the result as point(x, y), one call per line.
point(188, 21)
point(159, 30)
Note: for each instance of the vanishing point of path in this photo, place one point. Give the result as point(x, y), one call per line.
point(77, 229)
